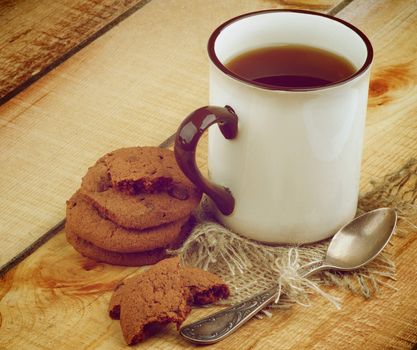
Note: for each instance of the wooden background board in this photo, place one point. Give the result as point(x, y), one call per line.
point(53, 130)
point(391, 125)
point(56, 292)
point(36, 35)
point(131, 86)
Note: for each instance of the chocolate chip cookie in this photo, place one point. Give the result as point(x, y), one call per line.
point(205, 288)
point(159, 297)
point(142, 169)
point(141, 210)
point(85, 221)
point(91, 251)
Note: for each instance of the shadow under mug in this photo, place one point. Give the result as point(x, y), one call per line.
point(283, 163)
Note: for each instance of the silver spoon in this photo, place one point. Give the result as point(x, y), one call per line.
point(353, 246)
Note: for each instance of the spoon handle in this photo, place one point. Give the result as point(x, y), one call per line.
point(311, 269)
point(217, 326)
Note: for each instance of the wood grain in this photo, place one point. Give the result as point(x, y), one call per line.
point(55, 292)
point(131, 86)
point(391, 126)
point(57, 299)
point(35, 36)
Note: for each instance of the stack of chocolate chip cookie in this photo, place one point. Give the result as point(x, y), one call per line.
point(133, 204)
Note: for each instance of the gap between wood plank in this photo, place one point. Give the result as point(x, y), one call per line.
point(53, 231)
point(339, 7)
point(31, 248)
point(72, 51)
point(165, 144)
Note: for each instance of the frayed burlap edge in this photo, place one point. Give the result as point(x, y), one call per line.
point(250, 267)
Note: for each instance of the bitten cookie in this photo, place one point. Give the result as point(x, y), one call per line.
point(205, 288)
point(139, 211)
point(125, 259)
point(158, 298)
point(143, 169)
point(85, 221)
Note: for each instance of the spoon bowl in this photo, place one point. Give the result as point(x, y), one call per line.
point(361, 240)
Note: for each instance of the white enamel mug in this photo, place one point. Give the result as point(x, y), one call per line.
point(284, 163)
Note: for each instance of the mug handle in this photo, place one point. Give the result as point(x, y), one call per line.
point(186, 141)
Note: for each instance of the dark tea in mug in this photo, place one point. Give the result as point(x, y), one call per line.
point(291, 66)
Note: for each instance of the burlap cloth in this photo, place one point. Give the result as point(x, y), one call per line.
point(249, 267)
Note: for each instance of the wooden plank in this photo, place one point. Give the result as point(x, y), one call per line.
point(36, 35)
point(57, 299)
point(391, 132)
point(55, 291)
point(131, 86)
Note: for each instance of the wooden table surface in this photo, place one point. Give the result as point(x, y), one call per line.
point(81, 78)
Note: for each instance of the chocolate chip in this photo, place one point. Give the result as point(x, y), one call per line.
point(178, 192)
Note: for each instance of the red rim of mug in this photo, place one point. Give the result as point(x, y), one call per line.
point(216, 61)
